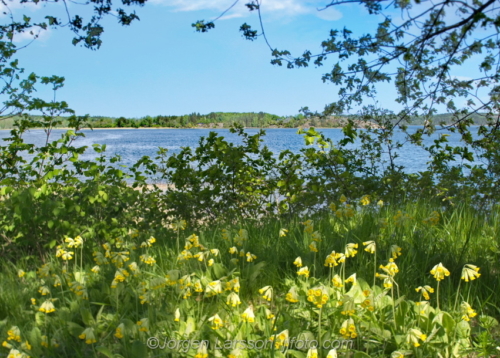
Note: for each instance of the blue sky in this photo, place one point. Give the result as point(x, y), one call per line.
point(161, 65)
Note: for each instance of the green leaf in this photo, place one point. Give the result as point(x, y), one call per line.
point(138, 349)
point(106, 351)
point(296, 354)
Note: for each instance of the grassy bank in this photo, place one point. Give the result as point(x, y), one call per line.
point(360, 265)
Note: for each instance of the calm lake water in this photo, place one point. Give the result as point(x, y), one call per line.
point(132, 144)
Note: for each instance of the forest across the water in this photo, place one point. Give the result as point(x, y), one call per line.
point(226, 119)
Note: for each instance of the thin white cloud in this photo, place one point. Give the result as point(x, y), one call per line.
point(276, 7)
point(40, 35)
point(8, 6)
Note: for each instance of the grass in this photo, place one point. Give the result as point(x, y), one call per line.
point(149, 289)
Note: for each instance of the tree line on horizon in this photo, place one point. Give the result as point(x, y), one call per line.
point(226, 119)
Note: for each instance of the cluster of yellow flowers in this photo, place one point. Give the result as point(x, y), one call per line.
point(334, 259)
point(400, 219)
point(467, 311)
point(317, 296)
point(267, 293)
point(439, 272)
point(348, 329)
point(88, 335)
point(281, 339)
point(433, 219)
point(292, 295)
point(248, 315)
point(216, 321)
point(425, 290)
point(414, 335)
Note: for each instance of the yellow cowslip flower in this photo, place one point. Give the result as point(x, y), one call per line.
point(292, 295)
point(194, 239)
point(14, 353)
point(26, 345)
point(210, 262)
point(439, 272)
point(217, 322)
point(317, 296)
point(214, 288)
point(334, 259)
point(33, 301)
point(95, 269)
point(387, 279)
point(6, 344)
point(248, 315)
point(67, 255)
point(44, 290)
point(371, 246)
point(350, 250)
point(121, 275)
point(215, 252)
point(423, 306)
point(395, 251)
point(337, 281)
point(242, 253)
point(413, 337)
point(177, 315)
point(425, 291)
point(119, 331)
point(380, 203)
point(470, 272)
point(333, 207)
point(312, 353)
point(250, 257)
point(316, 236)
point(283, 232)
point(351, 278)
point(147, 259)
point(313, 246)
point(365, 200)
point(233, 299)
point(267, 293)
point(179, 225)
point(143, 325)
point(14, 334)
point(332, 353)
point(235, 284)
point(343, 199)
point(20, 273)
point(298, 262)
point(76, 242)
point(186, 293)
point(233, 250)
point(308, 222)
point(269, 314)
point(391, 268)
point(303, 271)
point(348, 329)
point(202, 351)
point(88, 335)
point(397, 354)
point(467, 311)
point(280, 339)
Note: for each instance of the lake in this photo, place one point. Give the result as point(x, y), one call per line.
point(132, 144)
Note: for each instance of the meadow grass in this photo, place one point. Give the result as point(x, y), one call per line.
point(244, 282)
